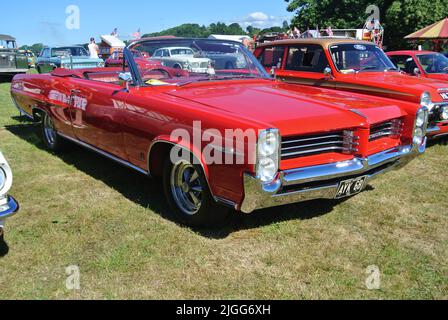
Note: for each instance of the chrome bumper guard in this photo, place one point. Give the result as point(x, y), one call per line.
point(321, 182)
point(9, 208)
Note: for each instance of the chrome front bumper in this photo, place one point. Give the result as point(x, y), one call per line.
point(321, 182)
point(9, 208)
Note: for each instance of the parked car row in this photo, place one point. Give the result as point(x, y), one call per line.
point(361, 67)
point(222, 136)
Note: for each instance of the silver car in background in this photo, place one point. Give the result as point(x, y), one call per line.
point(182, 58)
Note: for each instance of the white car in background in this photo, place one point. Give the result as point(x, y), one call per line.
point(182, 58)
point(8, 206)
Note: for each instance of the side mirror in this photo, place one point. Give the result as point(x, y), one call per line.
point(273, 72)
point(328, 74)
point(416, 72)
point(125, 78)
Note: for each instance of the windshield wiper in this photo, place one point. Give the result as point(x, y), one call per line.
point(391, 69)
point(366, 68)
point(215, 78)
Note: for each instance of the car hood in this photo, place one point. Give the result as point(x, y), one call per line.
point(276, 105)
point(438, 76)
point(410, 86)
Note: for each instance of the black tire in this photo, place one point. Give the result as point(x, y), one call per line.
point(177, 66)
point(208, 213)
point(52, 140)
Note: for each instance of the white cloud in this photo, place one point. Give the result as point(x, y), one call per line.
point(262, 20)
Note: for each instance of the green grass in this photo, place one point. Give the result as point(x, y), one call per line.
point(80, 209)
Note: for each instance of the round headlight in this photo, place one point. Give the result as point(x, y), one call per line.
point(419, 136)
point(421, 119)
point(2, 178)
point(444, 113)
point(267, 170)
point(268, 144)
point(426, 101)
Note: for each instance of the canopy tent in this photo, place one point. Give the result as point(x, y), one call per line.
point(5, 37)
point(436, 31)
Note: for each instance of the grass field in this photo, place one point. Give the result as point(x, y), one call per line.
point(80, 209)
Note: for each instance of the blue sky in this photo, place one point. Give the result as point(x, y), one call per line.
point(45, 20)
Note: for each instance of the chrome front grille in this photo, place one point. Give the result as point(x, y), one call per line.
point(392, 129)
point(204, 65)
point(341, 142)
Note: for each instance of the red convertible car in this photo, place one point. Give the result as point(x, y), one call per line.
point(426, 64)
point(116, 60)
point(355, 66)
point(226, 138)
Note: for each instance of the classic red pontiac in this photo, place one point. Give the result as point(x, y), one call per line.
point(226, 138)
point(355, 66)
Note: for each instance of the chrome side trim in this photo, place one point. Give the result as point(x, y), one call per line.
point(9, 209)
point(226, 202)
point(321, 182)
point(105, 154)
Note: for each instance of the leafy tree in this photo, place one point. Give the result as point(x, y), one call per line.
point(252, 31)
point(399, 17)
point(35, 48)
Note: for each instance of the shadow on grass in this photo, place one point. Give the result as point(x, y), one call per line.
point(4, 248)
point(148, 193)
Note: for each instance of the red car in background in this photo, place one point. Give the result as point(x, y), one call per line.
point(227, 138)
point(355, 66)
point(426, 64)
point(116, 60)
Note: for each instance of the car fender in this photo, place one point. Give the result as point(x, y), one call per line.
point(189, 147)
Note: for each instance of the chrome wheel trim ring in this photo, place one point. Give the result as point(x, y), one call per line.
point(186, 188)
point(49, 131)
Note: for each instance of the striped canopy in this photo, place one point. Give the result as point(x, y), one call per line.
point(438, 30)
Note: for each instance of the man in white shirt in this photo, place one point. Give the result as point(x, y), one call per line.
point(93, 49)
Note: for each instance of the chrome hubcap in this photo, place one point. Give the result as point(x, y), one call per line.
point(50, 132)
point(186, 188)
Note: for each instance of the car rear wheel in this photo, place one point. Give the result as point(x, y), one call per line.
point(189, 196)
point(49, 134)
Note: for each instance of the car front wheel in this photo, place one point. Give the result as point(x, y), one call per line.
point(189, 196)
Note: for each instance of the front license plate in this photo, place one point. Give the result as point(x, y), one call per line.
point(351, 187)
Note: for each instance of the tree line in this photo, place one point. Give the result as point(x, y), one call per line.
point(192, 30)
point(398, 17)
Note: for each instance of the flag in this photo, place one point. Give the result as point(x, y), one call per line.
point(115, 32)
point(137, 35)
point(317, 32)
point(330, 32)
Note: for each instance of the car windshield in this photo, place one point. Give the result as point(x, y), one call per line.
point(66, 51)
point(433, 63)
point(351, 58)
point(183, 61)
point(7, 44)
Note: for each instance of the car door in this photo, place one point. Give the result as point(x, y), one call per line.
point(305, 64)
point(43, 61)
point(96, 114)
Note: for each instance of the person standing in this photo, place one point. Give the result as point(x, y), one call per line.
point(94, 50)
